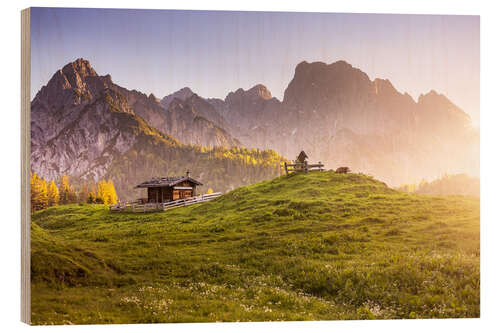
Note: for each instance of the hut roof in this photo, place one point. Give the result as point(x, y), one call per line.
point(167, 181)
point(302, 156)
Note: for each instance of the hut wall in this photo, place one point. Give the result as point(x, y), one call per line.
point(166, 193)
point(159, 194)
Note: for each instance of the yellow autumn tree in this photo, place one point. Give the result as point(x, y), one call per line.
point(210, 191)
point(112, 197)
point(83, 193)
point(66, 192)
point(53, 194)
point(106, 192)
point(92, 195)
point(101, 192)
point(44, 194)
point(32, 188)
point(39, 192)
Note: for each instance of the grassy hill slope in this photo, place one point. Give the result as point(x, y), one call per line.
point(304, 247)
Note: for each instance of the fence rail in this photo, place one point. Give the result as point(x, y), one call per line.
point(303, 167)
point(138, 207)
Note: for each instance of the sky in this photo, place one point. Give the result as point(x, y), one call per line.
point(215, 52)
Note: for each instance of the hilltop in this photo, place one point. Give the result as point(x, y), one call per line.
point(304, 247)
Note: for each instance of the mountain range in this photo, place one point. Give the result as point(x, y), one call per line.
point(85, 125)
point(340, 117)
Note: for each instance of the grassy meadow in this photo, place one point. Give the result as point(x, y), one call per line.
point(321, 246)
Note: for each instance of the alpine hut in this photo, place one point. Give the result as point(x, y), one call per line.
point(170, 188)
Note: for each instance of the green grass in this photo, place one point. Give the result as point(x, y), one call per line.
point(321, 246)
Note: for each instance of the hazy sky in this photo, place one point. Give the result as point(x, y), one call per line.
point(214, 52)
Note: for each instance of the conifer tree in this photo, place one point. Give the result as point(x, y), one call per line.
point(64, 190)
point(106, 192)
point(101, 192)
point(73, 196)
point(39, 192)
point(112, 197)
point(83, 194)
point(32, 189)
point(44, 194)
point(53, 194)
point(92, 196)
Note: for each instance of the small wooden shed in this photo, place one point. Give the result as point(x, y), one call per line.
point(302, 157)
point(170, 188)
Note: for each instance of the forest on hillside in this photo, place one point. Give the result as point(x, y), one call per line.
point(459, 184)
point(45, 193)
point(218, 168)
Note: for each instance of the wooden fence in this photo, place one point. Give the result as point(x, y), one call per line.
point(304, 167)
point(138, 207)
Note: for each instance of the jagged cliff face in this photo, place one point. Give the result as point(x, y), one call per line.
point(181, 94)
point(193, 122)
point(393, 137)
point(197, 122)
point(247, 109)
point(252, 115)
point(77, 84)
point(344, 96)
point(79, 124)
point(341, 117)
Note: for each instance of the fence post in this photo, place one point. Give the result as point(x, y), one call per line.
point(305, 166)
point(286, 169)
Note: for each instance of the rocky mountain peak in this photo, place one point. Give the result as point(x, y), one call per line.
point(153, 98)
point(81, 67)
point(186, 91)
point(383, 84)
point(315, 85)
point(305, 67)
point(257, 92)
point(436, 100)
point(431, 96)
point(438, 105)
point(76, 83)
point(384, 89)
point(260, 91)
point(181, 94)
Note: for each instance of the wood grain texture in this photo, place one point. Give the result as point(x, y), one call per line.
point(25, 165)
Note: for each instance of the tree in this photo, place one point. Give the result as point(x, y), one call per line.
point(106, 192)
point(32, 190)
point(101, 192)
point(53, 194)
point(83, 194)
point(91, 198)
point(39, 192)
point(66, 192)
point(112, 197)
point(210, 191)
point(73, 196)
